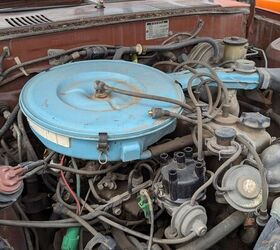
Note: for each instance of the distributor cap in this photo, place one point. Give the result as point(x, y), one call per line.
point(9, 179)
point(181, 177)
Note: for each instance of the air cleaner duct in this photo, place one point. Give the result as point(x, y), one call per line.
point(69, 116)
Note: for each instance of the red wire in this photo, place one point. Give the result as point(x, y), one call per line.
point(69, 188)
point(62, 160)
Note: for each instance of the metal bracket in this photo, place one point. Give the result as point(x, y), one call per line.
point(103, 145)
point(103, 148)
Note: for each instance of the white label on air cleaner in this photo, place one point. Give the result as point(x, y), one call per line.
point(157, 29)
point(50, 136)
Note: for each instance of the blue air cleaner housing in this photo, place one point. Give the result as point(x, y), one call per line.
point(65, 113)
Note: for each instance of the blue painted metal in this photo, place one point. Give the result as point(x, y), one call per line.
point(65, 114)
point(231, 79)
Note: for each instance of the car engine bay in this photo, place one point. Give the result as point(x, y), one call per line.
point(153, 146)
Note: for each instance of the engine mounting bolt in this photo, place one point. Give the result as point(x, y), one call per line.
point(100, 186)
point(117, 211)
point(170, 233)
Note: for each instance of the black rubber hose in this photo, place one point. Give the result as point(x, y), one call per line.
point(87, 172)
point(46, 58)
point(65, 223)
point(3, 55)
point(136, 170)
point(269, 78)
point(79, 219)
point(9, 121)
point(41, 224)
point(182, 104)
point(122, 240)
point(35, 164)
point(168, 47)
point(172, 145)
point(27, 142)
point(216, 233)
point(24, 217)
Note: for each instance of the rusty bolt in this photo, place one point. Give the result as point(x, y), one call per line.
point(117, 211)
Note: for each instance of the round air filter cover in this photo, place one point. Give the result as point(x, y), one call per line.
point(68, 115)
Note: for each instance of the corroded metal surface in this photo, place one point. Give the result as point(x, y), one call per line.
point(25, 3)
point(127, 33)
point(118, 29)
point(265, 29)
point(89, 16)
point(14, 235)
point(273, 54)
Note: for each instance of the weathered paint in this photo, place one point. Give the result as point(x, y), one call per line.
point(266, 28)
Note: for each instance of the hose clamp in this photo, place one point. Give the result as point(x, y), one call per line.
point(139, 49)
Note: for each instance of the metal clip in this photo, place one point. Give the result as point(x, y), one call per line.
point(18, 62)
point(103, 147)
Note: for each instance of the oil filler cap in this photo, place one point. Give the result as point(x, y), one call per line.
point(71, 114)
point(254, 120)
point(235, 40)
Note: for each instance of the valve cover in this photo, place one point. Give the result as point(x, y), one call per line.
point(66, 113)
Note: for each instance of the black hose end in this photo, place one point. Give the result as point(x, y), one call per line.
point(199, 168)
point(188, 152)
point(3, 108)
point(164, 158)
point(173, 181)
point(180, 157)
point(156, 113)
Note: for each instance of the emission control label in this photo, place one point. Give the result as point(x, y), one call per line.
point(157, 29)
